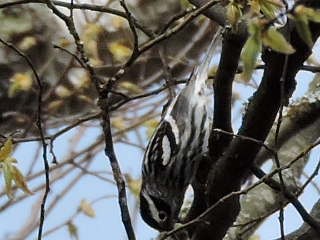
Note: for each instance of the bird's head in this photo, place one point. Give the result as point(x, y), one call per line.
point(160, 209)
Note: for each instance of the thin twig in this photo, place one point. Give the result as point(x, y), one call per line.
point(118, 177)
point(313, 69)
point(82, 6)
point(278, 125)
point(163, 36)
point(291, 198)
point(175, 19)
point(75, 214)
point(167, 73)
point(52, 137)
point(200, 218)
point(70, 53)
point(132, 25)
point(41, 132)
point(264, 178)
point(261, 143)
point(144, 95)
point(312, 176)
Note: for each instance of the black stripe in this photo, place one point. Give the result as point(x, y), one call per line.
point(202, 130)
point(185, 164)
point(172, 139)
point(198, 150)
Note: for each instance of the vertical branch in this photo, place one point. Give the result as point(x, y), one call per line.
point(122, 197)
point(282, 102)
point(103, 92)
point(231, 48)
point(40, 128)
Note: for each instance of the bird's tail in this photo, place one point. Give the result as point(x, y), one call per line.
point(201, 74)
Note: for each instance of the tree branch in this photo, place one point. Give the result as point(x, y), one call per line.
point(228, 173)
point(292, 199)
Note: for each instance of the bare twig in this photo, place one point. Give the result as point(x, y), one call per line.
point(151, 93)
point(291, 197)
point(122, 196)
point(278, 125)
point(70, 53)
point(132, 25)
point(82, 6)
point(41, 132)
point(311, 177)
point(75, 214)
point(167, 73)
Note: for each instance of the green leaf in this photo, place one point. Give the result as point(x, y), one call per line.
point(275, 40)
point(19, 82)
point(249, 56)
point(87, 208)
point(234, 13)
point(6, 150)
point(268, 9)
point(134, 185)
point(314, 16)
point(10, 172)
point(131, 87)
point(20, 180)
point(302, 24)
point(73, 230)
point(7, 173)
point(310, 13)
point(151, 126)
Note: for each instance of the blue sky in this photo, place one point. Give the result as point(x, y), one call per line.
point(107, 223)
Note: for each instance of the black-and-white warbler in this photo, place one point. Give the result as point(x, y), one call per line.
point(170, 160)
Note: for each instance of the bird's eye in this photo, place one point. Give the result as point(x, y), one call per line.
point(162, 216)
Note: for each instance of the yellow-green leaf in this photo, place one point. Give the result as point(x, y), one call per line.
point(90, 37)
point(275, 40)
point(20, 180)
point(7, 173)
point(73, 230)
point(314, 16)
point(249, 56)
point(10, 172)
point(130, 87)
point(302, 25)
point(27, 43)
point(55, 105)
point(19, 82)
point(310, 13)
point(119, 51)
point(254, 237)
point(118, 123)
point(151, 126)
point(6, 150)
point(255, 6)
point(64, 42)
point(63, 91)
point(269, 10)
point(118, 22)
point(234, 13)
point(91, 32)
point(87, 209)
point(277, 3)
point(133, 184)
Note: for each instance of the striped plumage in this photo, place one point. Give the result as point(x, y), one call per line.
point(170, 160)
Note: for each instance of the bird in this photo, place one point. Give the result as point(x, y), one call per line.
point(175, 148)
